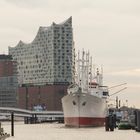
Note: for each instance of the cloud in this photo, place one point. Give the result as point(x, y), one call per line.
point(61, 5)
point(132, 72)
point(108, 28)
point(119, 6)
point(28, 3)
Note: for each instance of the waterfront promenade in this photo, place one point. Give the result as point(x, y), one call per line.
point(56, 131)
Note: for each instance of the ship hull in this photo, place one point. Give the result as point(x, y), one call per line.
point(84, 121)
point(84, 110)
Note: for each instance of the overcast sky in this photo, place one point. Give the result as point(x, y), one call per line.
point(109, 29)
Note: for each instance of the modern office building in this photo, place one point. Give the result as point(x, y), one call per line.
point(8, 81)
point(49, 58)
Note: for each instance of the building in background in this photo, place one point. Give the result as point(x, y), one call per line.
point(8, 81)
point(46, 66)
point(49, 58)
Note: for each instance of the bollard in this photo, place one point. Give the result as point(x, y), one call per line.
point(26, 120)
point(138, 120)
point(35, 117)
point(12, 124)
point(110, 123)
point(107, 123)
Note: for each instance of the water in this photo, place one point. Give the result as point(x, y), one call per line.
point(49, 131)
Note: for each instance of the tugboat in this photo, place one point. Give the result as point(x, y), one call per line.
point(85, 105)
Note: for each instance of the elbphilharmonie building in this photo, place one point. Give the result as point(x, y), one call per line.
point(49, 58)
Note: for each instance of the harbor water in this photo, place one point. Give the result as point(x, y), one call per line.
point(54, 131)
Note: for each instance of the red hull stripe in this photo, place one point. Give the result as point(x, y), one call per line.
point(83, 121)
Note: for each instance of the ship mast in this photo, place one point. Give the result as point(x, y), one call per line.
point(87, 70)
point(84, 71)
point(78, 70)
point(90, 72)
point(100, 77)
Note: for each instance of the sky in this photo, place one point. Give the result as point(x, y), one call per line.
point(109, 29)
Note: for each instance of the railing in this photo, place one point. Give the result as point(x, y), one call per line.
point(28, 113)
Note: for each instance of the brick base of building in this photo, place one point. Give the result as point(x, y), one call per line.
point(47, 97)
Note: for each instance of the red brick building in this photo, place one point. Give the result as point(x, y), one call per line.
point(7, 66)
point(48, 96)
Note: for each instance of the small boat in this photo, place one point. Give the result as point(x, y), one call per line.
point(124, 124)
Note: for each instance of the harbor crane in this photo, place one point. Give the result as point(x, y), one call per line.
point(118, 102)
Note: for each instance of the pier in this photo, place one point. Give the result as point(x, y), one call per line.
point(31, 117)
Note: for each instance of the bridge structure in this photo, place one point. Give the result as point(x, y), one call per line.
point(33, 116)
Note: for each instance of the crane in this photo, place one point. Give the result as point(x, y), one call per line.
point(118, 102)
point(118, 91)
point(117, 85)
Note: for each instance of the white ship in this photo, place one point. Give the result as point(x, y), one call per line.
point(85, 104)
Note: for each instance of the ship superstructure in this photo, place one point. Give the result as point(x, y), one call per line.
point(85, 104)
